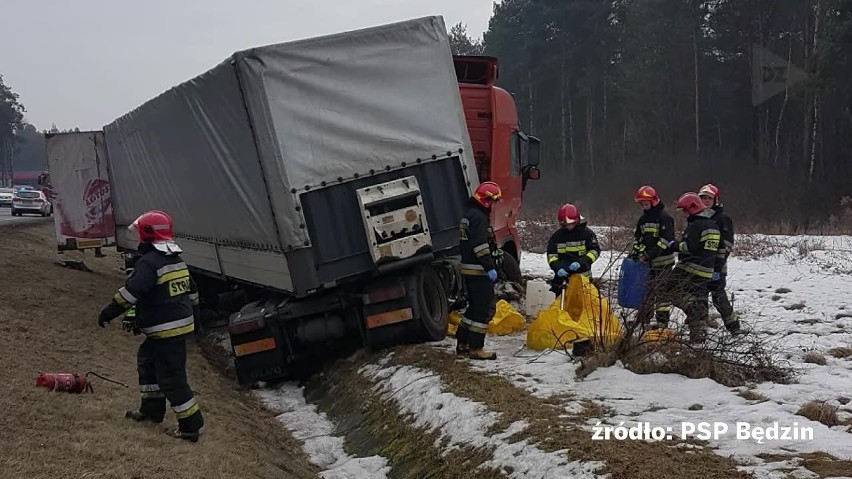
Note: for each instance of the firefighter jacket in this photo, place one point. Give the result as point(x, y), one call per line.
point(698, 250)
point(473, 242)
point(726, 229)
point(577, 245)
point(654, 231)
point(162, 293)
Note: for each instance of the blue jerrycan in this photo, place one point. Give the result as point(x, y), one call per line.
point(632, 283)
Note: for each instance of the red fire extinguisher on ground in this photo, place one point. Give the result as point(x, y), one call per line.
point(69, 382)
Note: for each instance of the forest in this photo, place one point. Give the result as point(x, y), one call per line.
point(751, 95)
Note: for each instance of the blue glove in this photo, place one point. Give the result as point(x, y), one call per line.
point(492, 275)
point(716, 276)
point(562, 273)
point(575, 266)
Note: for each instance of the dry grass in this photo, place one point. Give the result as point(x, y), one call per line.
point(551, 430)
point(752, 395)
point(757, 247)
point(813, 357)
point(49, 324)
point(795, 306)
point(842, 353)
point(820, 463)
point(820, 411)
point(752, 362)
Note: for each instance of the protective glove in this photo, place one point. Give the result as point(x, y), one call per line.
point(492, 275)
point(129, 326)
point(575, 266)
point(562, 273)
point(110, 312)
point(717, 276)
point(638, 249)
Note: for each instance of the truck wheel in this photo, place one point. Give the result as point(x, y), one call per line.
point(429, 302)
point(511, 268)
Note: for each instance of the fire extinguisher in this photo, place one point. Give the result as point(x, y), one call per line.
point(69, 382)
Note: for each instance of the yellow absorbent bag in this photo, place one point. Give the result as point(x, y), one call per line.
point(583, 315)
point(506, 320)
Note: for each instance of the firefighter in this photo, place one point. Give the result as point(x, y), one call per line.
point(697, 251)
point(478, 272)
point(654, 232)
point(572, 249)
point(161, 294)
point(709, 194)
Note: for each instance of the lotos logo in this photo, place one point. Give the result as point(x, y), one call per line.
point(97, 199)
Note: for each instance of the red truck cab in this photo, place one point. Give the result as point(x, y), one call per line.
point(46, 187)
point(503, 153)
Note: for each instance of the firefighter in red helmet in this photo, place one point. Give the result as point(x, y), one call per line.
point(709, 194)
point(163, 296)
point(478, 272)
point(697, 252)
point(573, 248)
point(654, 231)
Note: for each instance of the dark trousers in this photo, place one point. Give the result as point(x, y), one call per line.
point(162, 375)
point(480, 310)
point(657, 302)
point(688, 293)
point(721, 301)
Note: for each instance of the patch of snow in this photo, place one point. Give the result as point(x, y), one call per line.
point(317, 433)
point(464, 423)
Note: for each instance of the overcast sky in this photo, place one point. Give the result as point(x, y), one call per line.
point(86, 62)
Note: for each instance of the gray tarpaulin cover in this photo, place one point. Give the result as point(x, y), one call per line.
point(215, 150)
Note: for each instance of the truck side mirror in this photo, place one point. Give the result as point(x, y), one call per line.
point(534, 152)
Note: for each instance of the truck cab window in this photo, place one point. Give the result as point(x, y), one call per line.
point(515, 149)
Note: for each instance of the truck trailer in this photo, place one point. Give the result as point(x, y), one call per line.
point(317, 186)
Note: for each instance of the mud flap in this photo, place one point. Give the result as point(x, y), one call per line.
point(259, 347)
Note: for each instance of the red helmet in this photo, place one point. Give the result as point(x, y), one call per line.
point(690, 203)
point(153, 227)
point(710, 190)
point(568, 214)
point(647, 193)
point(486, 194)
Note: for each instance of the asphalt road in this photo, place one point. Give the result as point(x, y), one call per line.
point(7, 218)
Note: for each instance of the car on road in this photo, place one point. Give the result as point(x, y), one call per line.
point(6, 197)
point(30, 202)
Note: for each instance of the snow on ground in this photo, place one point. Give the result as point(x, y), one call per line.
point(313, 428)
point(464, 422)
point(316, 431)
point(795, 297)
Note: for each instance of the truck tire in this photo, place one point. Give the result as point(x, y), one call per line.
point(429, 302)
point(511, 268)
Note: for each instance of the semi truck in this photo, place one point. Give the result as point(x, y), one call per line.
point(316, 187)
